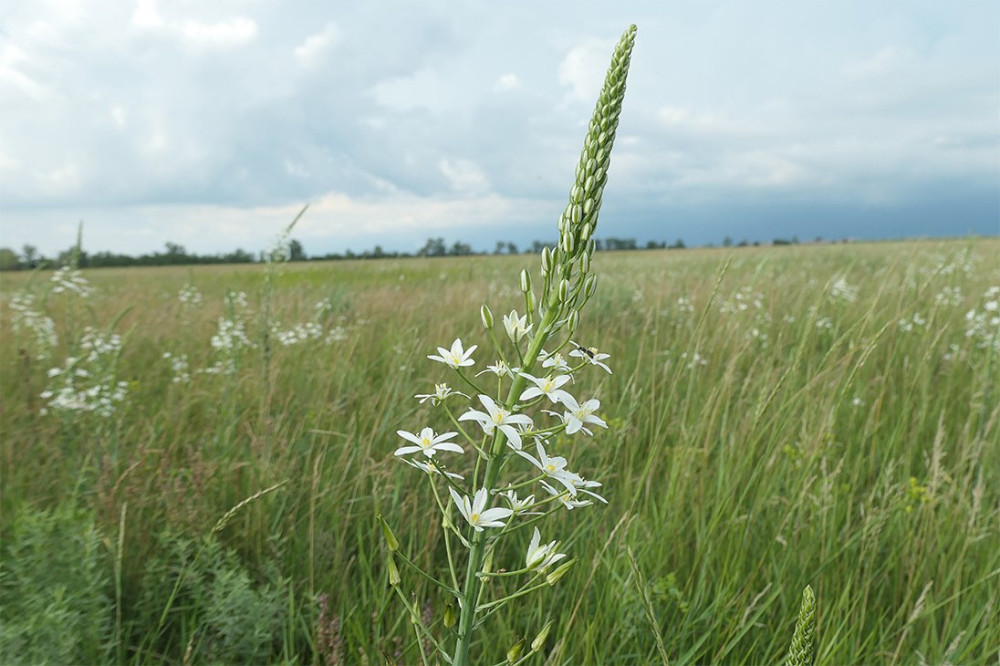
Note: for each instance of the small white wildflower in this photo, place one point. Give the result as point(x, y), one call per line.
point(539, 556)
point(516, 327)
point(476, 513)
point(497, 417)
point(518, 504)
point(456, 357)
point(441, 393)
point(500, 369)
point(592, 356)
point(428, 443)
point(554, 361)
point(553, 467)
point(431, 468)
point(548, 386)
point(579, 416)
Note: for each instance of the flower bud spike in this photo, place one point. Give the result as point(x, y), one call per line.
point(487, 317)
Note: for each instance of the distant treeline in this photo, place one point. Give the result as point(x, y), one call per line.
point(177, 255)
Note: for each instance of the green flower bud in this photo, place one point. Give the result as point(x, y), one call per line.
point(563, 290)
point(390, 538)
point(585, 263)
point(558, 573)
point(546, 260)
point(574, 321)
point(590, 286)
point(487, 317)
point(393, 571)
point(525, 281)
point(450, 616)
point(568, 242)
point(514, 653)
point(539, 642)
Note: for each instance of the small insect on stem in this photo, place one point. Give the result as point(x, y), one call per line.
point(589, 351)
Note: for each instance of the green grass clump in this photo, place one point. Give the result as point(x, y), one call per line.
point(824, 415)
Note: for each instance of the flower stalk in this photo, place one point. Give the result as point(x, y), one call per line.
point(554, 317)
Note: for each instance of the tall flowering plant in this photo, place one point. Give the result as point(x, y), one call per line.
point(515, 479)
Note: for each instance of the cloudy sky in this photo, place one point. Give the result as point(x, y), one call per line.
point(210, 123)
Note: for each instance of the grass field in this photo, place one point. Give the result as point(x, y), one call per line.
point(824, 415)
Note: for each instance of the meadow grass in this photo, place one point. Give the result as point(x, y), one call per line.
point(781, 417)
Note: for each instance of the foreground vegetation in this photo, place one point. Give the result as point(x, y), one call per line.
point(780, 417)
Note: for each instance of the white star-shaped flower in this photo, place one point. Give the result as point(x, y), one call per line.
point(541, 557)
point(427, 443)
point(456, 357)
point(553, 467)
point(555, 361)
point(497, 417)
point(476, 513)
point(516, 327)
point(578, 415)
point(549, 387)
point(441, 393)
point(431, 468)
point(592, 356)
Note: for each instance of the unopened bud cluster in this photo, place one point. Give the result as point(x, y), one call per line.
point(566, 268)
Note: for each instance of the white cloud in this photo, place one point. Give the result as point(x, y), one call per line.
point(583, 68)
point(311, 51)
point(10, 73)
point(232, 32)
point(464, 176)
point(886, 61)
point(507, 82)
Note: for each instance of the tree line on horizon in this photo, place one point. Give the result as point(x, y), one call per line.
point(175, 254)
